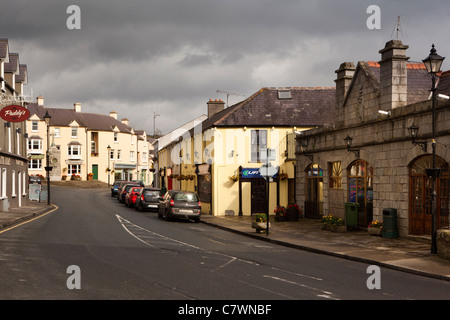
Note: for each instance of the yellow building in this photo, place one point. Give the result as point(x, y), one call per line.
point(86, 146)
point(221, 157)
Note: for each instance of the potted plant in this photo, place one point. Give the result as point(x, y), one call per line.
point(283, 175)
point(292, 212)
point(375, 228)
point(260, 222)
point(333, 223)
point(90, 176)
point(280, 214)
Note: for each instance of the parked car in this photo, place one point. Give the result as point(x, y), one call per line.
point(180, 204)
point(148, 199)
point(115, 188)
point(124, 182)
point(130, 197)
point(123, 191)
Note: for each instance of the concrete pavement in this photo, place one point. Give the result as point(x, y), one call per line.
point(410, 254)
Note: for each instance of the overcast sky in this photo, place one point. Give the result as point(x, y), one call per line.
point(138, 57)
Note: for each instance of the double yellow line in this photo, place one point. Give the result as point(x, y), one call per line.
point(27, 221)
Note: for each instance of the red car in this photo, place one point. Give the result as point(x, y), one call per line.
point(130, 197)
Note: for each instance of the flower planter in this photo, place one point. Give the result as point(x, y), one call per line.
point(340, 229)
point(260, 226)
point(374, 231)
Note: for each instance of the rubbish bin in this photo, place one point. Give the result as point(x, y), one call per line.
point(351, 214)
point(390, 229)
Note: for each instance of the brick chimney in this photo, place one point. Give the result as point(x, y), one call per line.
point(77, 107)
point(125, 121)
point(343, 80)
point(215, 106)
point(393, 75)
point(113, 114)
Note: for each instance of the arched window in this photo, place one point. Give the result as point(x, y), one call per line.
point(360, 190)
point(314, 191)
point(420, 191)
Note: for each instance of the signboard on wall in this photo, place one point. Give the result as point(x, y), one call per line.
point(14, 113)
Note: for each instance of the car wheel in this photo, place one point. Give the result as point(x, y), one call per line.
point(166, 216)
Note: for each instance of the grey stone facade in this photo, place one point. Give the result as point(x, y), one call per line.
point(383, 141)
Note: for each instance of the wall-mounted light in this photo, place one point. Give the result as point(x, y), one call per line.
point(386, 113)
point(413, 133)
point(348, 141)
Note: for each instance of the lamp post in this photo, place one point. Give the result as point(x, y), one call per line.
point(109, 169)
point(433, 64)
point(47, 119)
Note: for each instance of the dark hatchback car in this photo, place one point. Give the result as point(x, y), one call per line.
point(124, 189)
point(148, 199)
point(180, 204)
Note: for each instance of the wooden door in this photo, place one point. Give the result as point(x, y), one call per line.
point(258, 194)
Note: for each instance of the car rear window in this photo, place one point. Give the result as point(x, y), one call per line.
point(188, 197)
point(151, 193)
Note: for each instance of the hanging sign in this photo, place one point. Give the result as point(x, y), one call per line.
point(14, 113)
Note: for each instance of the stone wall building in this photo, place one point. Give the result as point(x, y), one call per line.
point(382, 168)
point(13, 160)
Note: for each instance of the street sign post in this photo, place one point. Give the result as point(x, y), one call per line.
point(268, 171)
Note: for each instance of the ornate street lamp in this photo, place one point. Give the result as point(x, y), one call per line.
point(413, 133)
point(47, 119)
point(433, 64)
point(348, 141)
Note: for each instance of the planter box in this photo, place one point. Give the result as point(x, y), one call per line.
point(339, 229)
point(443, 243)
point(260, 226)
point(374, 231)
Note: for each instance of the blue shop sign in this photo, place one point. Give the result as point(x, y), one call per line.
point(251, 173)
point(254, 173)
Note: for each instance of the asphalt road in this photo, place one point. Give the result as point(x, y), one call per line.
point(93, 247)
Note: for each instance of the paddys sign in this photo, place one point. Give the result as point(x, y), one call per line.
point(14, 113)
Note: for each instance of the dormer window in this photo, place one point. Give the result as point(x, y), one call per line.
point(284, 94)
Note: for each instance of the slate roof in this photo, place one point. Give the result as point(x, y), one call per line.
point(92, 121)
point(4, 50)
point(418, 81)
point(444, 83)
point(13, 64)
point(307, 107)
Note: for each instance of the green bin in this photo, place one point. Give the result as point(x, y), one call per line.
point(390, 229)
point(351, 214)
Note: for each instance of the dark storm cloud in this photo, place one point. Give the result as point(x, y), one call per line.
point(171, 56)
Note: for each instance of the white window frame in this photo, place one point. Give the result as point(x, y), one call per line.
point(13, 184)
point(34, 126)
point(33, 143)
point(37, 162)
point(74, 151)
point(57, 132)
point(74, 169)
point(72, 131)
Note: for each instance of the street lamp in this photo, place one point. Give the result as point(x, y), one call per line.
point(47, 119)
point(433, 64)
point(348, 141)
point(109, 157)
